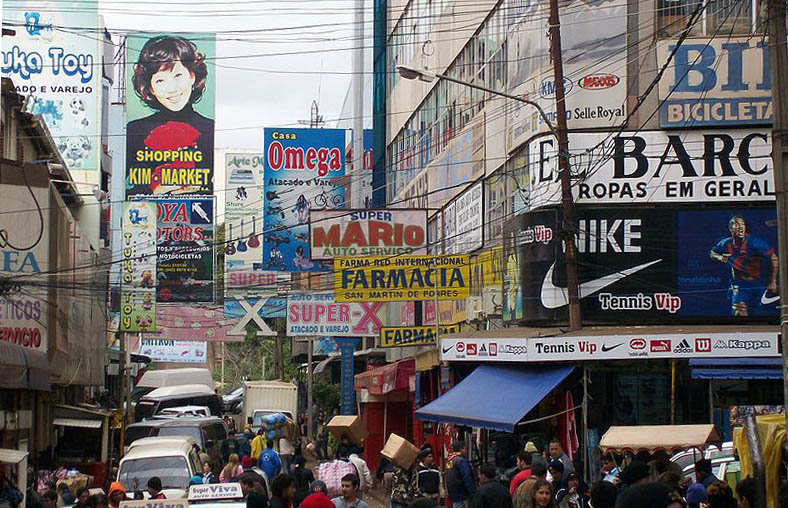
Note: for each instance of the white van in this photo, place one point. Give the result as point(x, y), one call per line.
point(170, 377)
point(173, 459)
point(176, 396)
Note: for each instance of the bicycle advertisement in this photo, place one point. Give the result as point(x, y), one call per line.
point(302, 170)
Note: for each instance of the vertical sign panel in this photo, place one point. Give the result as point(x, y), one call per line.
point(346, 347)
point(138, 267)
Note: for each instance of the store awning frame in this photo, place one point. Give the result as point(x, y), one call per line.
point(77, 422)
point(475, 401)
point(650, 438)
point(736, 368)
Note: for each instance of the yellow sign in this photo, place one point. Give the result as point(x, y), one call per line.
point(401, 278)
point(487, 270)
point(402, 336)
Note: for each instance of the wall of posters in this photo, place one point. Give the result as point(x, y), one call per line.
point(243, 220)
point(174, 351)
point(138, 267)
point(170, 113)
point(185, 250)
point(318, 314)
point(60, 69)
point(301, 169)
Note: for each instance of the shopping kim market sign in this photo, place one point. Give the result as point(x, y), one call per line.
point(402, 278)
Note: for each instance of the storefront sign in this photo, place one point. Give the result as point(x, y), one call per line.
point(649, 346)
point(169, 135)
point(138, 267)
point(215, 491)
point(715, 82)
point(243, 219)
point(386, 279)
point(317, 314)
point(173, 351)
point(347, 346)
point(464, 220)
point(402, 336)
point(203, 323)
point(350, 233)
point(484, 350)
point(657, 167)
point(185, 255)
point(301, 170)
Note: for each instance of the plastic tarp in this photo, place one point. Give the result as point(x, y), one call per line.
point(23, 368)
point(736, 368)
point(771, 430)
point(658, 437)
point(494, 397)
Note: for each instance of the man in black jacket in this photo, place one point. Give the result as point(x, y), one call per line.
point(491, 493)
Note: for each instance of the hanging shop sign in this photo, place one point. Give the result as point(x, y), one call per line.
point(463, 221)
point(318, 314)
point(715, 82)
point(350, 233)
point(403, 336)
point(243, 222)
point(174, 351)
point(488, 350)
point(138, 266)
point(190, 322)
point(273, 306)
point(386, 279)
point(302, 170)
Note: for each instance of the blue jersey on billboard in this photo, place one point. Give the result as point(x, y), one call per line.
point(302, 168)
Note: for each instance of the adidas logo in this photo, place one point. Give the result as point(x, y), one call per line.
point(683, 347)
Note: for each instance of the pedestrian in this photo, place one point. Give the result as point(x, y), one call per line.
point(154, 488)
point(703, 473)
point(491, 493)
point(269, 460)
point(349, 497)
point(556, 470)
point(257, 500)
point(247, 463)
point(574, 493)
point(536, 455)
point(257, 445)
point(229, 446)
point(286, 453)
point(282, 491)
point(661, 464)
point(604, 495)
point(247, 485)
point(542, 495)
point(303, 477)
point(557, 453)
point(66, 495)
point(524, 460)
point(428, 478)
point(721, 496)
point(745, 493)
point(50, 499)
point(696, 494)
point(610, 470)
point(116, 494)
point(459, 478)
point(245, 442)
point(650, 495)
point(364, 474)
point(401, 487)
point(83, 494)
point(207, 473)
point(636, 473)
point(318, 497)
point(194, 480)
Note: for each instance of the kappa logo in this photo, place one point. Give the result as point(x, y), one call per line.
point(703, 345)
point(660, 346)
point(471, 349)
point(683, 347)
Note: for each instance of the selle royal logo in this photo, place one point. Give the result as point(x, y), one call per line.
point(297, 158)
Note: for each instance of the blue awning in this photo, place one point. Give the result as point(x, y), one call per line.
point(494, 397)
point(736, 368)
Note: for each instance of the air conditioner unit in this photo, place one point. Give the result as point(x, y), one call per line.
point(492, 300)
point(473, 309)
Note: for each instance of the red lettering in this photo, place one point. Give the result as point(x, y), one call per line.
point(380, 232)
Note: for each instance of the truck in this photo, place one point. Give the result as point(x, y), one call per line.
point(262, 398)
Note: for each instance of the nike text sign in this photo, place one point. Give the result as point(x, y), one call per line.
point(317, 315)
point(484, 350)
point(634, 347)
point(401, 336)
point(401, 278)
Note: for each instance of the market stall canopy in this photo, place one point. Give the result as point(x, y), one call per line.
point(388, 378)
point(11, 456)
point(736, 368)
point(476, 400)
point(23, 368)
point(658, 437)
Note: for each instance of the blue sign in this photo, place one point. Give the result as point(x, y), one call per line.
point(302, 168)
point(346, 347)
point(324, 346)
point(274, 307)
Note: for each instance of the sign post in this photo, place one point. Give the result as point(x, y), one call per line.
point(346, 347)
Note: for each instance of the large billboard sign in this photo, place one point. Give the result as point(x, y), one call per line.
point(190, 322)
point(170, 114)
point(318, 314)
point(646, 265)
point(174, 351)
point(54, 59)
point(302, 170)
point(243, 220)
point(715, 82)
point(657, 167)
point(349, 233)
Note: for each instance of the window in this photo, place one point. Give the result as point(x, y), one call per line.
point(717, 18)
point(173, 471)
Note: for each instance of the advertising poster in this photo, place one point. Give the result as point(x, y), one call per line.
point(349, 233)
point(403, 336)
point(243, 221)
point(272, 306)
point(487, 271)
point(324, 346)
point(138, 267)
point(170, 112)
point(191, 322)
point(318, 314)
point(185, 250)
point(738, 414)
point(59, 68)
point(23, 315)
point(174, 351)
point(385, 279)
point(489, 350)
point(302, 168)
point(464, 220)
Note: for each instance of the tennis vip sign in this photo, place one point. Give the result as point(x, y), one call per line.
point(402, 336)
point(490, 350)
point(317, 315)
point(335, 233)
point(402, 278)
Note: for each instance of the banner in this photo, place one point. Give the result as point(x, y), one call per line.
point(478, 350)
point(463, 221)
point(185, 250)
point(170, 113)
point(317, 314)
point(243, 222)
point(386, 279)
point(403, 336)
point(191, 322)
point(138, 267)
point(347, 346)
point(349, 233)
point(55, 60)
point(272, 306)
point(174, 351)
point(302, 170)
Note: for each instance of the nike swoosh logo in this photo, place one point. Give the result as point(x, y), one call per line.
point(554, 297)
point(605, 347)
point(768, 300)
point(447, 349)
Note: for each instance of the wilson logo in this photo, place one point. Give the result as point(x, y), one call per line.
point(598, 81)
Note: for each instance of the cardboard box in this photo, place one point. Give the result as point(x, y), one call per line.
point(400, 451)
point(350, 425)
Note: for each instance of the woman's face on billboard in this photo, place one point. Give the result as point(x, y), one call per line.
point(173, 87)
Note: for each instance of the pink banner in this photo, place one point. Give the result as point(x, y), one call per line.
point(190, 322)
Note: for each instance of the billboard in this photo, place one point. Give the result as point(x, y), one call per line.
point(267, 306)
point(645, 265)
point(302, 168)
point(138, 267)
point(184, 250)
point(173, 351)
point(317, 314)
point(55, 59)
point(463, 221)
point(243, 221)
point(402, 278)
point(657, 167)
point(349, 233)
point(403, 336)
point(170, 114)
point(483, 350)
point(715, 82)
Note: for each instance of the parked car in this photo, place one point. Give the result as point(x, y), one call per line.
point(175, 396)
point(231, 403)
point(208, 433)
point(171, 377)
point(724, 468)
point(173, 459)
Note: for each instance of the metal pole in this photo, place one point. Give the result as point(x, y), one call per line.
point(309, 374)
point(778, 60)
point(673, 392)
point(567, 203)
point(222, 365)
point(756, 457)
point(357, 83)
point(123, 389)
point(586, 472)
